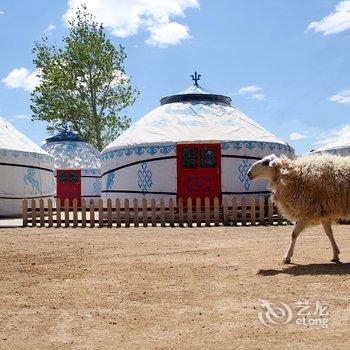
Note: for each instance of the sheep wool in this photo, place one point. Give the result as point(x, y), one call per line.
point(313, 188)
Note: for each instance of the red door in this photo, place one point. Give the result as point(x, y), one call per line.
point(199, 171)
point(69, 185)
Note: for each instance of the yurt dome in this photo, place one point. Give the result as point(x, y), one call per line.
point(340, 147)
point(26, 170)
point(77, 166)
point(194, 145)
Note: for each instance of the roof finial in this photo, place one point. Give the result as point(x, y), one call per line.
point(196, 77)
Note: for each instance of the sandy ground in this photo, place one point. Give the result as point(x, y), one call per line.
point(169, 288)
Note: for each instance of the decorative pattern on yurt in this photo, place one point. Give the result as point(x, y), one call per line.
point(217, 142)
point(26, 170)
point(77, 165)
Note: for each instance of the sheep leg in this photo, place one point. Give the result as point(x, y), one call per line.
point(300, 225)
point(329, 232)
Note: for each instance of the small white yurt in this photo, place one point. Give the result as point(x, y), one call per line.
point(77, 166)
point(26, 170)
point(340, 147)
point(194, 145)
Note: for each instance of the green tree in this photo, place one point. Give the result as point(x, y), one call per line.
point(83, 84)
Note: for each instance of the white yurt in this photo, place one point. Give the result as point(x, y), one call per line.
point(340, 147)
point(194, 145)
point(77, 166)
point(26, 170)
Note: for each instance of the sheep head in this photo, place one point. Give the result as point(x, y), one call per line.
point(264, 168)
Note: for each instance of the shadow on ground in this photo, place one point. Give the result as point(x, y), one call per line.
point(311, 269)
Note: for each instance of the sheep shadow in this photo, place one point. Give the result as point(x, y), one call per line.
point(310, 269)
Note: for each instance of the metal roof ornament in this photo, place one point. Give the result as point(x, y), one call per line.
point(196, 77)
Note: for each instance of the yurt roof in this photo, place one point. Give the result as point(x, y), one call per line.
point(194, 115)
point(340, 144)
point(70, 151)
point(65, 135)
point(13, 140)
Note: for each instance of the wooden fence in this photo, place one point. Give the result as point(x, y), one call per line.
point(237, 211)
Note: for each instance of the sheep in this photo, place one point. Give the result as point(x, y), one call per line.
point(310, 190)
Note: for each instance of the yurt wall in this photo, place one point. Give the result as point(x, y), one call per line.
point(26, 170)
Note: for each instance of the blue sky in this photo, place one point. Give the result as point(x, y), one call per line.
point(284, 63)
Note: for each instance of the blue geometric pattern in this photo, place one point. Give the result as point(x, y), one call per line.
point(145, 178)
point(242, 169)
point(97, 187)
point(165, 149)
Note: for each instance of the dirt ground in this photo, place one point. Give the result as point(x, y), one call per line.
point(170, 288)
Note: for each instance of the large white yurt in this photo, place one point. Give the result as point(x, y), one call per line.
point(26, 170)
point(194, 145)
point(77, 166)
point(340, 147)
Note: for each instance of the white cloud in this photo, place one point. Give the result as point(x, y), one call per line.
point(2, 12)
point(166, 34)
point(23, 117)
point(50, 29)
point(251, 89)
point(336, 22)
point(341, 97)
point(340, 135)
point(127, 17)
point(259, 97)
point(22, 78)
point(294, 136)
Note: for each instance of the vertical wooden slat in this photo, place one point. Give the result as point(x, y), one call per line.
point(75, 212)
point(92, 213)
point(225, 217)
point(144, 213)
point(42, 212)
point(100, 213)
point(180, 207)
point(118, 215)
point(154, 212)
point(244, 210)
point(136, 213)
point(66, 212)
point(109, 213)
point(162, 212)
point(198, 212)
point(83, 213)
point(127, 212)
point(25, 212)
point(261, 210)
point(50, 212)
point(58, 212)
point(216, 211)
point(171, 213)
point(33, 207)
point(207, 211)
point(270, 211)
point(234, 211)
point(252, 210)
point(189, 212)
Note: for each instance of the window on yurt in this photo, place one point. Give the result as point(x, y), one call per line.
point(189, 157)
point(208, 157)
point(63, 177)
point(198, 157)
point(74, 178)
